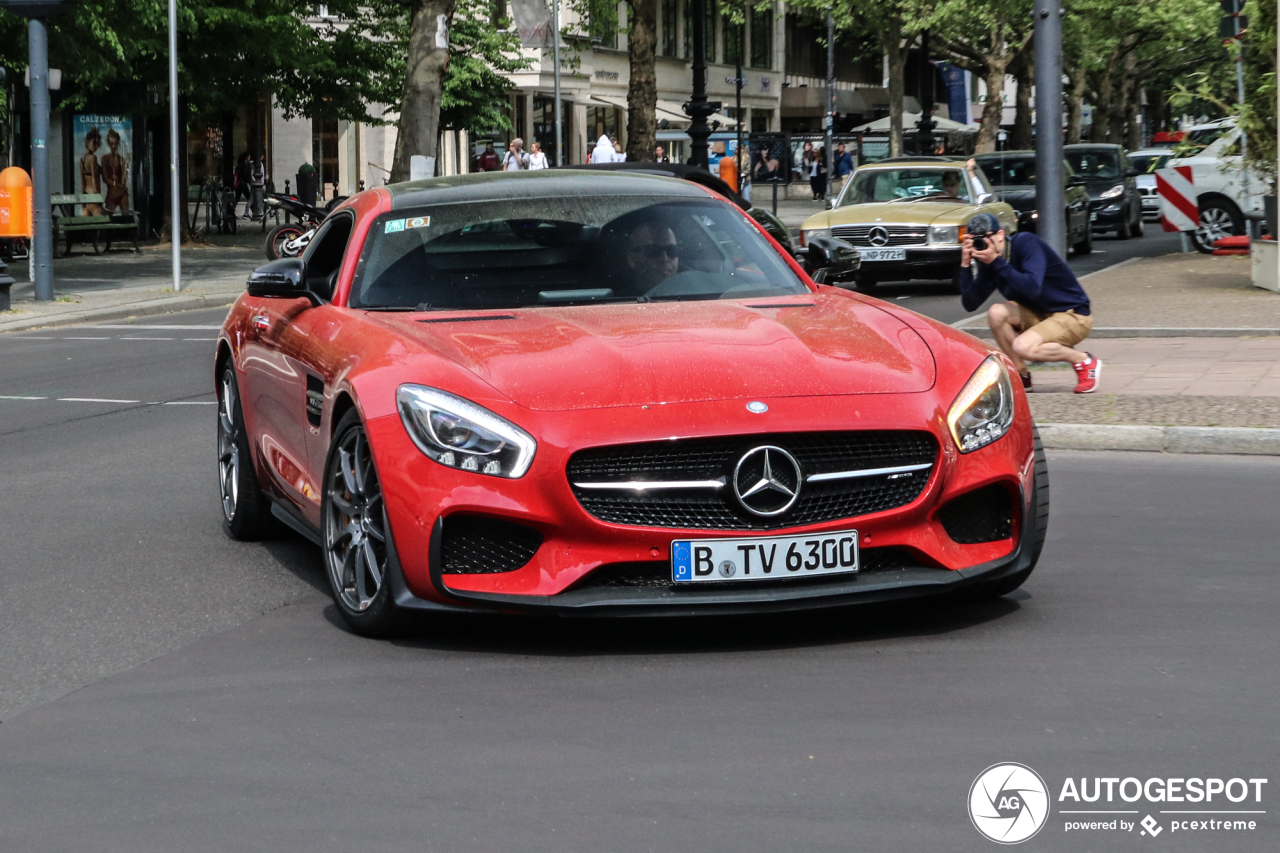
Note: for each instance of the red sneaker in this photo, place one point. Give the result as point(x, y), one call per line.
point(1026, 380)
point(1087, 372)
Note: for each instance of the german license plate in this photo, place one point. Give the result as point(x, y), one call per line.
point(764, 558)
point(883, 254)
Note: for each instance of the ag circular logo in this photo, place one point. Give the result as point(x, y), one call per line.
point(878, 235)
point(1008, 803)
point(767, 481)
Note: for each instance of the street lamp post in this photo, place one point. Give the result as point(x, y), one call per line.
point(42, 236)
point(555, 59)
point(1051, 224)
point(699, 108)
point(174, 175)
point(831, 101)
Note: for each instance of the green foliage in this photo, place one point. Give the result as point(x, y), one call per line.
point(475, 95)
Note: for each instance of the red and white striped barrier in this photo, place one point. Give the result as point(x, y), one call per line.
point(1178, 208)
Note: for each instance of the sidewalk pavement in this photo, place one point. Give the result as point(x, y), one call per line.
point(120, 284)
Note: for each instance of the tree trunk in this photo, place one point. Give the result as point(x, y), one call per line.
point(642, 88)
point(1102, 108)
point(418, 131)
point(1022, 138)
point(992, 109)
point(1075, 104)
point(1133, 102)
point(896, 55)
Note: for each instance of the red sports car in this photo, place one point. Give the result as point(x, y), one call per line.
point(583, 393)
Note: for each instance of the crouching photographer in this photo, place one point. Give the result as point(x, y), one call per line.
point(1047, 313)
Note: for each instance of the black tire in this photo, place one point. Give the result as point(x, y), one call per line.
point(1085, 246)
point(1218, 218)
point(865, 282)
point(1138, 228)
point(246, 511)
point(358, 551)
point(1039, 517)
point(277, 237)
point(1123, 232)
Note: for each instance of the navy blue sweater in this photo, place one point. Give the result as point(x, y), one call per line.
point(1033, 276)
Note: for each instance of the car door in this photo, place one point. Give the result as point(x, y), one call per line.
point(285, 388)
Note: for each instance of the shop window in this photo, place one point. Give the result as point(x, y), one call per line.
point(670, 42)
point(544, 127)
point(762, 38)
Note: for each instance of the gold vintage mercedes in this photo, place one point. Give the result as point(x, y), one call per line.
point(906, 215)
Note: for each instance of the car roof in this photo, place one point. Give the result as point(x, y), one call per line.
point(1211, 125)
point(1150, 152)
point(922, 162)
point(1092, 146)
point(693, 174)
point(543, 183)
point(1021, 152)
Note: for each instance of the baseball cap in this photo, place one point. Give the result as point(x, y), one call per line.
point(982, 223)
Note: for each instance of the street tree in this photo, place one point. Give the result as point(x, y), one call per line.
point(642, 81)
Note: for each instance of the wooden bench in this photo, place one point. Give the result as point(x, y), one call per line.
point(99, 230)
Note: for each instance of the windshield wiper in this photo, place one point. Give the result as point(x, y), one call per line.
point(421, 306)
point(928, 196)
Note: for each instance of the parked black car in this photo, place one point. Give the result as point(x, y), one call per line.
point(770, 223)
point(1114, 200)
point(1013, 176)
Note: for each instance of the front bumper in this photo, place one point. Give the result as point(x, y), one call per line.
point(1108, 217)
point(927, 263)
point(420, 495)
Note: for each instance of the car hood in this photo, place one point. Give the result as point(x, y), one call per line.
point(598, 356)
point(900, 212)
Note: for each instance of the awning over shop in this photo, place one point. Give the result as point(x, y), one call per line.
point(672, 112)
point(881, 125)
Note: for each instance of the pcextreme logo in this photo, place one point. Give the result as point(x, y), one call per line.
point(1009, 803)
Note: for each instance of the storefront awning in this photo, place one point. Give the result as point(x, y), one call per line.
point(672, 112)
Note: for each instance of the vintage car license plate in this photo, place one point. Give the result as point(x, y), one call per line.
point(764, 558)
point(883, 254)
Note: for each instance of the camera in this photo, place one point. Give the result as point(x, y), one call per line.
point(979, 242)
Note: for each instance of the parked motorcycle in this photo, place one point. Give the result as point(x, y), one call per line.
point(290, 239)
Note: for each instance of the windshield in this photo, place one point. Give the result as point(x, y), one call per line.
point(1010, 171)
point(873, 185)
point(1148, 163)
point(1205, 137)
point(517, 253)
point(1095, 164)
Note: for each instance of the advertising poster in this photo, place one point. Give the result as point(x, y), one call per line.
point(103, 154)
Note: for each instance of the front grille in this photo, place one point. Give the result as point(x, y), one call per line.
point(475, 545)
point(899, 235)
point(706, 459)
point(658, 574)
point(983, 515)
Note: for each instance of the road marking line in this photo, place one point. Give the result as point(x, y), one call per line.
point(78, 338)
point(93, 400)
point(191, 403)
point(199, 339)
point(136, 338)
point(8, 397)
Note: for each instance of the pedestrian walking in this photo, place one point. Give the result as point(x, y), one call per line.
point(603, 152)
point(660, 155)
point(1047, 313)
point(241, 183)
point(817, 171)
point(843, 167)
point(488, 159)
point(257, 185)
point(537, 160)
point(618, 155)
point(515, 159)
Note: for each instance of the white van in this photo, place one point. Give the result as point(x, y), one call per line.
point(1218, 172)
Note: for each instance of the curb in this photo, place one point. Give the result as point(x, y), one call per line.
point(1162, 439)
point(120, 312)
point(1152, 332)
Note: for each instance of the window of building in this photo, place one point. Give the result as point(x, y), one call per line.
point(762, 38)
point(709, 36)
point(601, 121)
point(497, 12)
point(544, 126)
point(734, 36)
point(669, 44)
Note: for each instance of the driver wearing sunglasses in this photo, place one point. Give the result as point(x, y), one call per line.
point(653, 254)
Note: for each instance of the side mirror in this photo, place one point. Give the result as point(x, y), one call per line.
point(1075, 181)
point(284, 279)
point(829, 258)
point(1131, 172)
point(986, 198)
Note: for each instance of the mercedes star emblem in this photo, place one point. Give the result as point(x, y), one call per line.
point(757, 408)
point(767, 481)
point(878, 235)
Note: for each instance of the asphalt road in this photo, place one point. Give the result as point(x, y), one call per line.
point(163, 688)
point(935, 299)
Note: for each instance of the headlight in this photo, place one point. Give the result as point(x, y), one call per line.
point(459, 434)
point(806, 236)
point(984, 409)
point(1114, 192)
point(944, 234)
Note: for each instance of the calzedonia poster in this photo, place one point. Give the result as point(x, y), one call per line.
point(103, 155)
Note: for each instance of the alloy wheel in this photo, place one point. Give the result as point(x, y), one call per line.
point(355, 537)
point(228, 447)
point(1215, 223)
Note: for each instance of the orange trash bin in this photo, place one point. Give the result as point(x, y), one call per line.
point(729, 172)
point(15, 203)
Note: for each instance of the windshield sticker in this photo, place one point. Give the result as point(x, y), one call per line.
point(417, 222)
point(394, 225)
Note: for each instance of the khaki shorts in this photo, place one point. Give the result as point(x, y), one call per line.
point(1065, 327)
